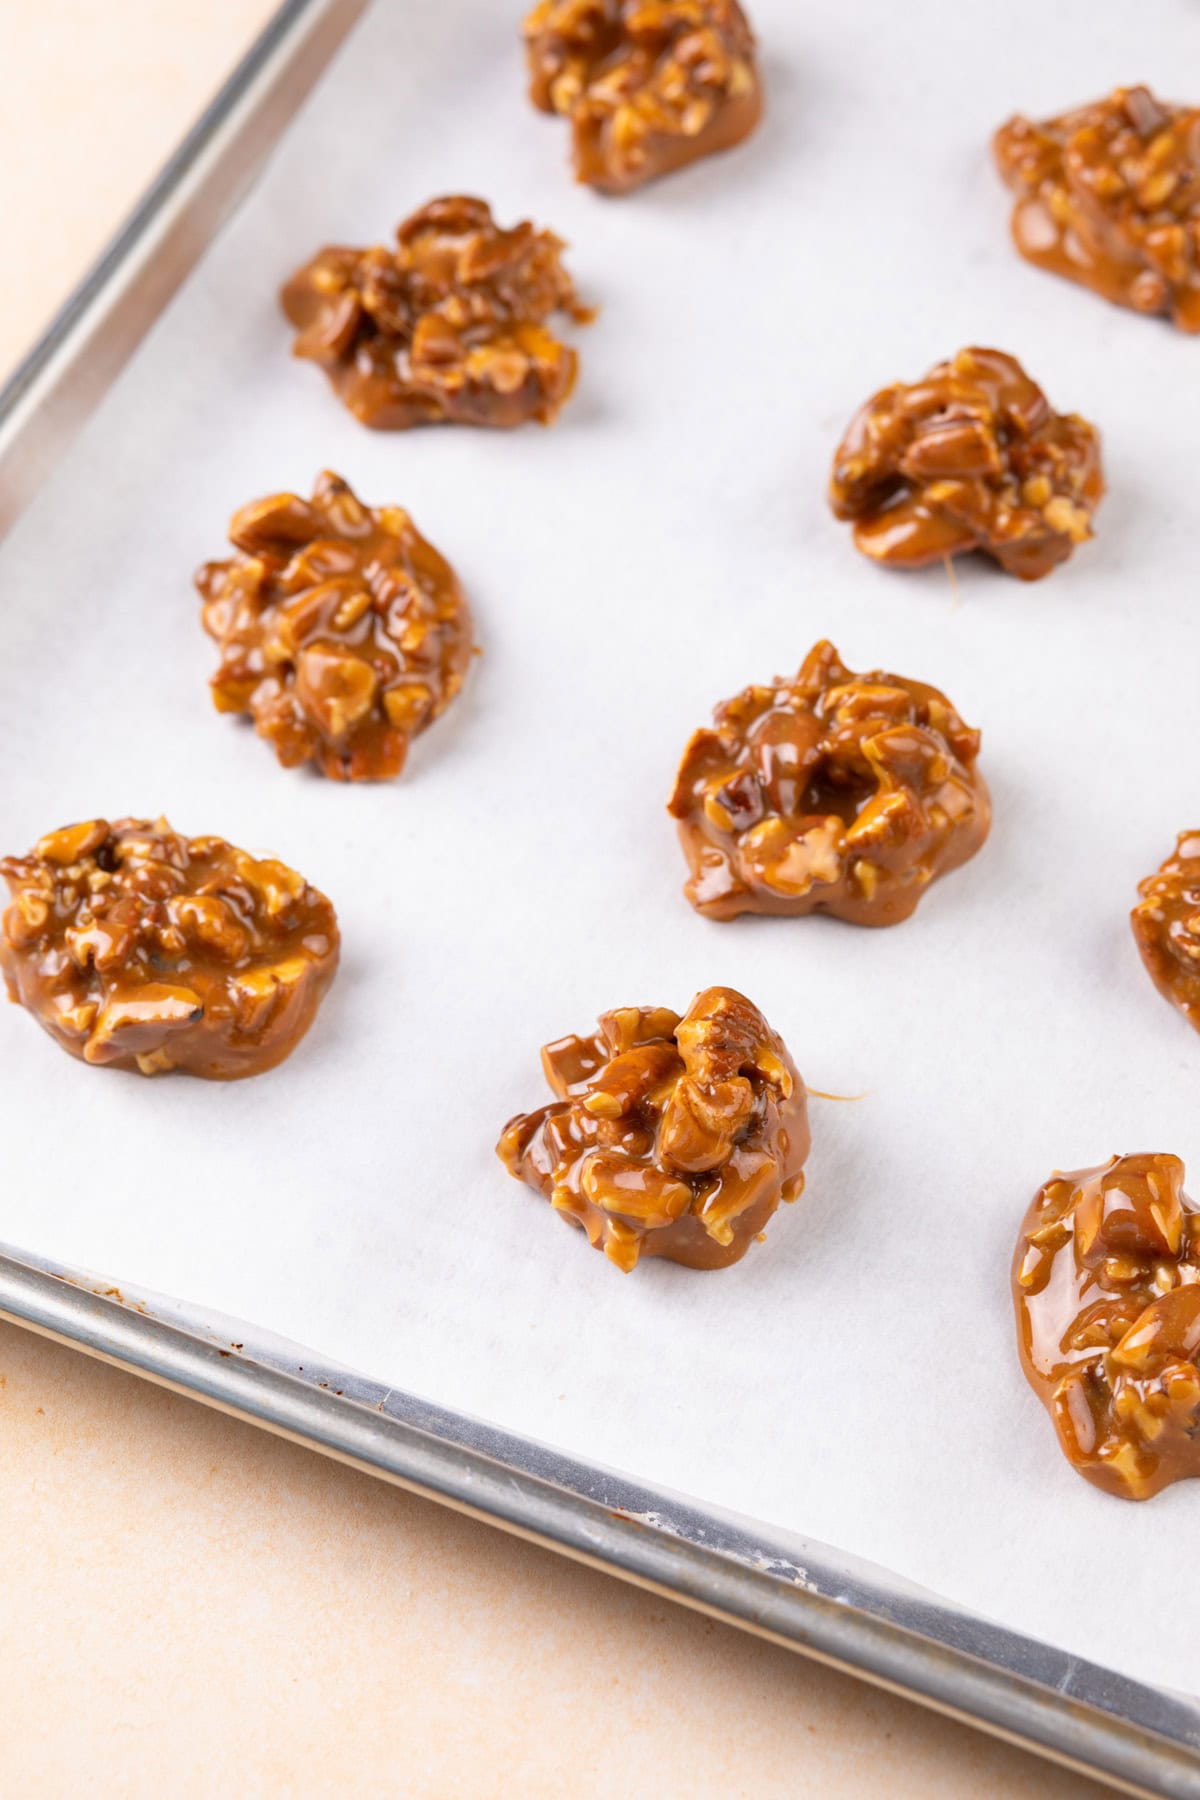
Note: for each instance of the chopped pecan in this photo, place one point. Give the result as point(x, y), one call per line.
point(970, 458)
point(342, 632)
point(648, 85)
point(139, 948)
point(1166, 926)
point(831, 792)
point(1109, 196)
point(449, 325)
point(1106, 1282)
point(669, 1137)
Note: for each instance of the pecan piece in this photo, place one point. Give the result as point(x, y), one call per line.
point(450, 325)
point(669, 1137)
point(831, 792)
point(342, 632)
point(140, 949)
point(971, 458)
point(1106, 1283)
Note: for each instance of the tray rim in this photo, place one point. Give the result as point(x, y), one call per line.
point(65, 373)
point(1075, 1713)
point(793, 1592)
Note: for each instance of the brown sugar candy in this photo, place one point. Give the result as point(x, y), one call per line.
point(1109, 196)
point(1166, 925)
point(450, 324)
point(342, 632)
point(668, 1137)
point(1106, 1281)
point(648, 85)
point(832, 792)
point(970, 458)
point(140, 949)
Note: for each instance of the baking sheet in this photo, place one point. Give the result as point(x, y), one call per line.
point(854, 1379)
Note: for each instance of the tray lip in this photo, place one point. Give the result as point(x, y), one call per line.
point(736, 1570)
point(65, 373)
point(149, 208)
point(739, 1571)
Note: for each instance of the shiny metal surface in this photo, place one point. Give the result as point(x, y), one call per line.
point(800, 1594)
point(55, 389)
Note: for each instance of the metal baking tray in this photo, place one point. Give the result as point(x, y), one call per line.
point(796, 1592)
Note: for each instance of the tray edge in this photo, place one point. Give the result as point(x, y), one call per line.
point(525, 1499)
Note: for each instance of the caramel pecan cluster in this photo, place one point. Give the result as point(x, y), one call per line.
point(1109, 196)
point(1166, 925)
point(669, 1137)
point(448, 325)
point(1107, 1287)
point(139, 948)
point(342, 632)
point(833, 792)
point(648, 85)
point(970, 458)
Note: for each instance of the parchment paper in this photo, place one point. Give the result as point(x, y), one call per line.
point(856, 1377)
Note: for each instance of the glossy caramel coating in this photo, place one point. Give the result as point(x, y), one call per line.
point(648, 85)
point(1109, 196)
point(1106, 1281)
point(668, 1137)
point(1166, 926)
point(449, 325)
point(342, 633)
point(832, 792)
point(137, 948)
point(970, 458)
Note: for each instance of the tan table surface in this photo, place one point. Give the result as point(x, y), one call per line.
point(191, 1606)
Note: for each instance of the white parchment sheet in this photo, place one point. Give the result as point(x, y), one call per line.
point(856, 1377)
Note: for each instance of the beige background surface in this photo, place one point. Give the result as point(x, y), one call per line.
point(192, 1606)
